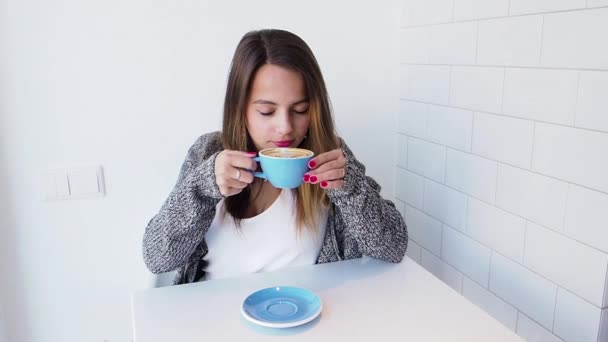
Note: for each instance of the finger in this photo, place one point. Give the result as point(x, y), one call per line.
point(228, 179)
point(242, 161)
point(242, 175)
point(336, 184)
point(237, 184)
point(339, 163)
point(324, 157)
point(333, 174)
point(226, 192)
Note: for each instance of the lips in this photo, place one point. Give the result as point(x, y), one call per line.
point(283, 143)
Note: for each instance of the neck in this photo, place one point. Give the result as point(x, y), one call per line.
point(262, 195)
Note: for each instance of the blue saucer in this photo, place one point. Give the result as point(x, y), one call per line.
point(281, 307)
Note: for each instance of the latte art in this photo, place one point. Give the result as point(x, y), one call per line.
point(286, 153)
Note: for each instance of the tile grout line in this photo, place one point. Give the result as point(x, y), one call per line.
point(450, 85)
point(497, 207)
point(503, 17)
point(502, 115)
point(542, 40)
point(510, 165)
point(511, 66)
point(552, 282)
point(502, 91)
point(578, 94)
point(477, 43)
point(533, 145)
point(555, 309)
point(453, 10)
point(568, 194)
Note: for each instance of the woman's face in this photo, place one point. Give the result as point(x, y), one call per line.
point(277, 109)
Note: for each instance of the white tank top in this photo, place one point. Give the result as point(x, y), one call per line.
point(266, 242)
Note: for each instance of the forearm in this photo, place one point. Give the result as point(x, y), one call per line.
point(173, 234)
point(373, 222)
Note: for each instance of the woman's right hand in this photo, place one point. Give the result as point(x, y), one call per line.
point(234, 171)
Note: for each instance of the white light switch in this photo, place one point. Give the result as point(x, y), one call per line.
point(86, 182)
point(55, 184)
point(73, 183)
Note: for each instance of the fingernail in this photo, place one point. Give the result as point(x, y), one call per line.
point(306, 177)
point(252, 153)
point(312, 164)
point(313, 179)
point(324, 184)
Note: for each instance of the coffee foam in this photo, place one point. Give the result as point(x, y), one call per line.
point(287, 153)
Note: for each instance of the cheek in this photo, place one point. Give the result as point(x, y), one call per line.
point(303, 124)
point(255, 125)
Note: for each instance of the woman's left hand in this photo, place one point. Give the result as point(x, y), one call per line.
point(327, 169)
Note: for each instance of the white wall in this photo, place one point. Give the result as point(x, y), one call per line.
point(503, 145)
point(130, 85)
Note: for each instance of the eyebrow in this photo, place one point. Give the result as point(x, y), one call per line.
point(261, 101)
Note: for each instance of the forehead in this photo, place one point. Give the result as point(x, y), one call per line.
point(276, 83)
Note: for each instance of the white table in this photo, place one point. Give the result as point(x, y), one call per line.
point(362, 299)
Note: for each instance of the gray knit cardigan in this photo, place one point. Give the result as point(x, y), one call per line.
point(360, 222)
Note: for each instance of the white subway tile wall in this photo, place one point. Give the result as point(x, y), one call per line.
point(504, 170)
point(479, 9)
point(473, 175)
point(541, 94)
point(532, 331)
point(536, 197)
point(423, 229)
point(428, 83)
point(412, 118)
point(450, 126)
point(496, 307)
point(575, 39)
point(576, 319)
point(510, 41)
point(494, 138)
point(537, 6)
point(445, 204)
point(524, 289)
point(587, 217)
point(592, 104)
point(477, 88)
point(545, 254)
point(466, 255)
point(575, 155)
point(597, 3)
point(426, 159)
point(452, 43)
point(442, 270)
point(497, 229)
point(414, 251)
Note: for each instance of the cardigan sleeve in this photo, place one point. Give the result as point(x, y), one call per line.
point(370, 223)
point(173, 234)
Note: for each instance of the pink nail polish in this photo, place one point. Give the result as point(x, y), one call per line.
point(313, 179)
point(306, 178)
point(324, 184)
point(312, 164)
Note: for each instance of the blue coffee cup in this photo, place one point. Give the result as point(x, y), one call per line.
point(283, 167)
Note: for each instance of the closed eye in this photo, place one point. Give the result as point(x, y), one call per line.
point(266, 113)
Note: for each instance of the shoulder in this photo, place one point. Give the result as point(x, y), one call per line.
point(207, 143)
point(205, 146)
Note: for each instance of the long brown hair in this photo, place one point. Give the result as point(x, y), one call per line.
point(284, 49)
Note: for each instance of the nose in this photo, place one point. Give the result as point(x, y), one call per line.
point(284, 124)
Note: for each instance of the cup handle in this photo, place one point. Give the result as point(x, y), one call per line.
point(258, 174)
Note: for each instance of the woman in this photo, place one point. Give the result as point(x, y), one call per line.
point(220, 221)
